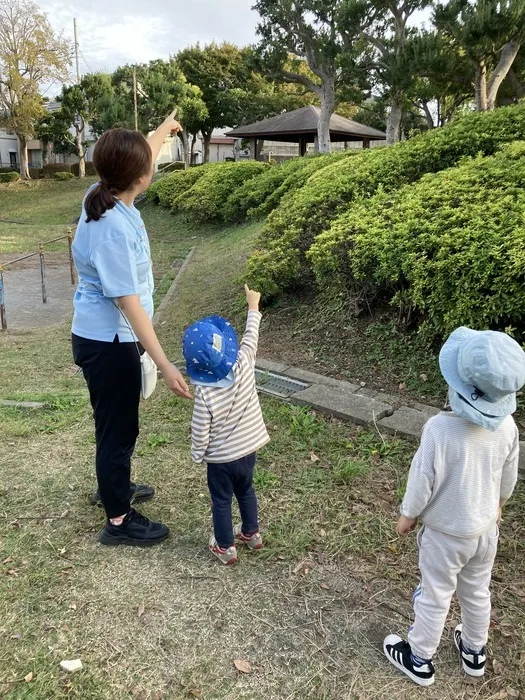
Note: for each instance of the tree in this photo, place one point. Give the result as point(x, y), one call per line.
point(490, 32)
point(218, 71)
point(309, 30)
point(52, 128)
point(387, 55)
point(162, 82)
point(443, 81)
point(30, 53)
point(192, 114)
point(80, 105)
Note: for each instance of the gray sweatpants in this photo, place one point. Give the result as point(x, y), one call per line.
point(451, 565)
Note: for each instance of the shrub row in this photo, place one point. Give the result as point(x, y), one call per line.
point(205, 201)
point(252, 198)
point(64, 176)
point(168, 188)
point(90, 169)
point(281, 260)
point(10, 176)
point(450, 248)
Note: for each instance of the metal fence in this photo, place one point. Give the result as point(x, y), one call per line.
point(41, 255)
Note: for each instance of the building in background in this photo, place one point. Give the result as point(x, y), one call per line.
point(8, 150)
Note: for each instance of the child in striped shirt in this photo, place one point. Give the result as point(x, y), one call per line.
point(227, 426)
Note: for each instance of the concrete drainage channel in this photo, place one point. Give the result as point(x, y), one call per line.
point(346, 401)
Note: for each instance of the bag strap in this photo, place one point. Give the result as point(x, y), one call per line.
point(128, 325)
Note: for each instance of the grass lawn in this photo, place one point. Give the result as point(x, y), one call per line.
point(308, 613)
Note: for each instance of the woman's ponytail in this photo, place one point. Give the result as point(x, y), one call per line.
point(121, 157)
point(98, 201)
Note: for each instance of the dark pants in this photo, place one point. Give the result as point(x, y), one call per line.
point(112, 372)
point(225, 480)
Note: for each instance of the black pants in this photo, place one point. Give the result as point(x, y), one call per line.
point(225, 480)
point(112, 373)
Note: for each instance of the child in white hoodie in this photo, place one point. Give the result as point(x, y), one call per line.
point(463, 472)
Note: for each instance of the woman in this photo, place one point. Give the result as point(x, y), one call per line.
point(113, 307)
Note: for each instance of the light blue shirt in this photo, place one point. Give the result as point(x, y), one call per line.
point(113, 259)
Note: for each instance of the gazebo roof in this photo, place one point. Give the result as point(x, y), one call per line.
point(301, 125)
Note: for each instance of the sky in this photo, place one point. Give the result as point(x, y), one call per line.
point(115, 32)
point(112, 33)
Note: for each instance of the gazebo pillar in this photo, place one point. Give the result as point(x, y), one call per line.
point(366, 143)
point(253, 148)
point(303, 146)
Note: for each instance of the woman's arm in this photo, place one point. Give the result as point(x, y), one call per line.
point(169, 125)
point(143, 328)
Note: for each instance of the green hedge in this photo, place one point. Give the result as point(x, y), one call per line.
point(9, 177)
point(175, 166)
point(7, 170)
point(251, 199)
point(280, 261)
point(90, 169)
point(51, 168)
point(449, 248)
point(167, 188)
point(64, 176)
point(205, 201)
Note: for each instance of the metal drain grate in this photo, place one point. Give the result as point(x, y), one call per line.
point(277, 385)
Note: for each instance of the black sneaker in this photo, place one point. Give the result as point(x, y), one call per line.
point(135, 531)
point(473, 664)
point(399, 653)
point(139, 493)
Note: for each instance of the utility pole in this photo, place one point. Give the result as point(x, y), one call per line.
point(135, 98)
point(76, 49)
point(79, 121)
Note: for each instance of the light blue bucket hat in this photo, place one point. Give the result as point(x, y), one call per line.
point(484, 370)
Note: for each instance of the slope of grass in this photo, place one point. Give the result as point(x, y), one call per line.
point(309, 614)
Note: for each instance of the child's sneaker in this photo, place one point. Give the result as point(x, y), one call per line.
point(225, 556)
point(251, 541)
point(473, 664)
point(399, 653)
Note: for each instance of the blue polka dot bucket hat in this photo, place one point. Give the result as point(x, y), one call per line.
point(210, 348)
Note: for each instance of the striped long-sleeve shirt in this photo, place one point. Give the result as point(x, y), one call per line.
point(227, 423)
point(460, 474)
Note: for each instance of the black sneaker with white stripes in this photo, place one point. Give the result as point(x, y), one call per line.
point(473, 664)
point(399, 653)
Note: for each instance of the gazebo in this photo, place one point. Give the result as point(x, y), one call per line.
point(300, 126)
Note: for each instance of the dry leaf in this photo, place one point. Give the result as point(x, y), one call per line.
point(13, 572)
point(242, 666)
point(512, 693)
point(497, 667)
point(73, 606)
point(8, 560)
point(140, 611)
point(402, 386)
point(423, 377)
point(314, 457)
point(29, 677)
point(322, 533)
point(325, 587)
point(194, 692)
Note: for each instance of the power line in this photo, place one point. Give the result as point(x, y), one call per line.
point(87, 64)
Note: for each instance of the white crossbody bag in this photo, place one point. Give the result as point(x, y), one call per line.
point(148, 369)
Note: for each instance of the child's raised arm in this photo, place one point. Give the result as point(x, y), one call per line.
point(250, 338)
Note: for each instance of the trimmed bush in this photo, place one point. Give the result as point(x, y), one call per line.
point(450, 248)
point(7, 170)
point(205, 201)
point(90, 169)
point(64, 176)
point(281, 262)
point(167, 188)
point(51, 168)
point(36, 173)
point(261, 194)
point(9, 177)
point(172, 167)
